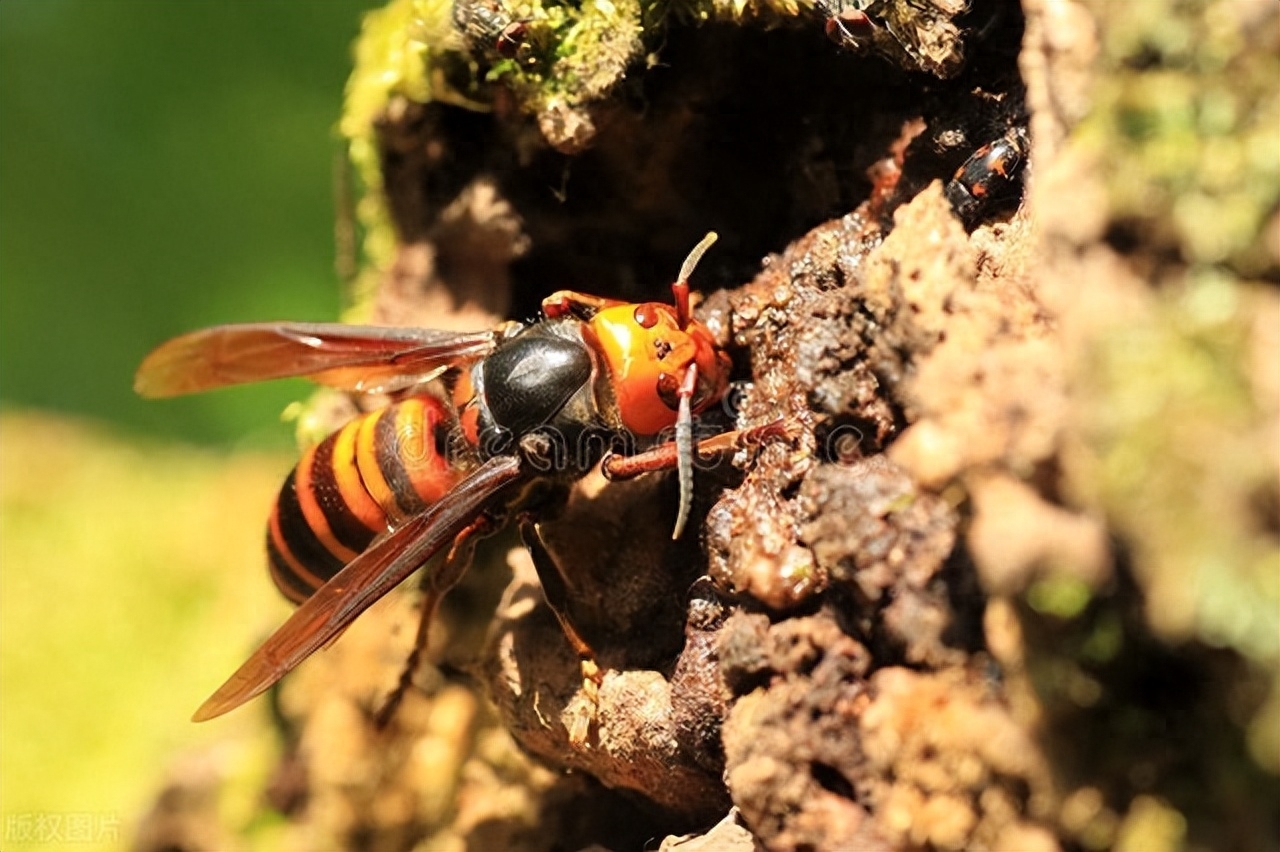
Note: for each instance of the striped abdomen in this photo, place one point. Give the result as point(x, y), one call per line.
point(374, 471)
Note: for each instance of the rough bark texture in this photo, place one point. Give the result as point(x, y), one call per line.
point(1010, 582)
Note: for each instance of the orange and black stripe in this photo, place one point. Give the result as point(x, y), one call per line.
point(360, 481)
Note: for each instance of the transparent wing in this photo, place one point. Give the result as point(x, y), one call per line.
point(391, 558)
point(370, 359)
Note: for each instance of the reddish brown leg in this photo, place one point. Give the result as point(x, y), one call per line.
point(556, 592)
point(571, 302)
point(438, 584)
point(666, 456)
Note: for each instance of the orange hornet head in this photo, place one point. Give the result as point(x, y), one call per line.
point(663, 364)
point(647, 352)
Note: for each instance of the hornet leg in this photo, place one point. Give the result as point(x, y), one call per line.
point(572, 303)
point(438, 584)
point(666, 456)
point(556, 593)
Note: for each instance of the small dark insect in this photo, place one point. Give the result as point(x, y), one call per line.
point(990, 180)
point(850, 24)
point(913, 35)
point(526, 409)
point(487, 26)
point(847, 23)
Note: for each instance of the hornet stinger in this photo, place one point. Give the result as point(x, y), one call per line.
point(536, 407)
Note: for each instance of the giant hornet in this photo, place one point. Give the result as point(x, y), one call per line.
point(536, 406)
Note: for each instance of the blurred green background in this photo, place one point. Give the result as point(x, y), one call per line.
point(163, 166)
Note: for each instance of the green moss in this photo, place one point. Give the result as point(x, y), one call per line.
point(1183, 438)
point(1105, 640)
point(571, 56)
point(394, 58)
point(1187, 119)
point(595, 49)
point(1063, 596)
